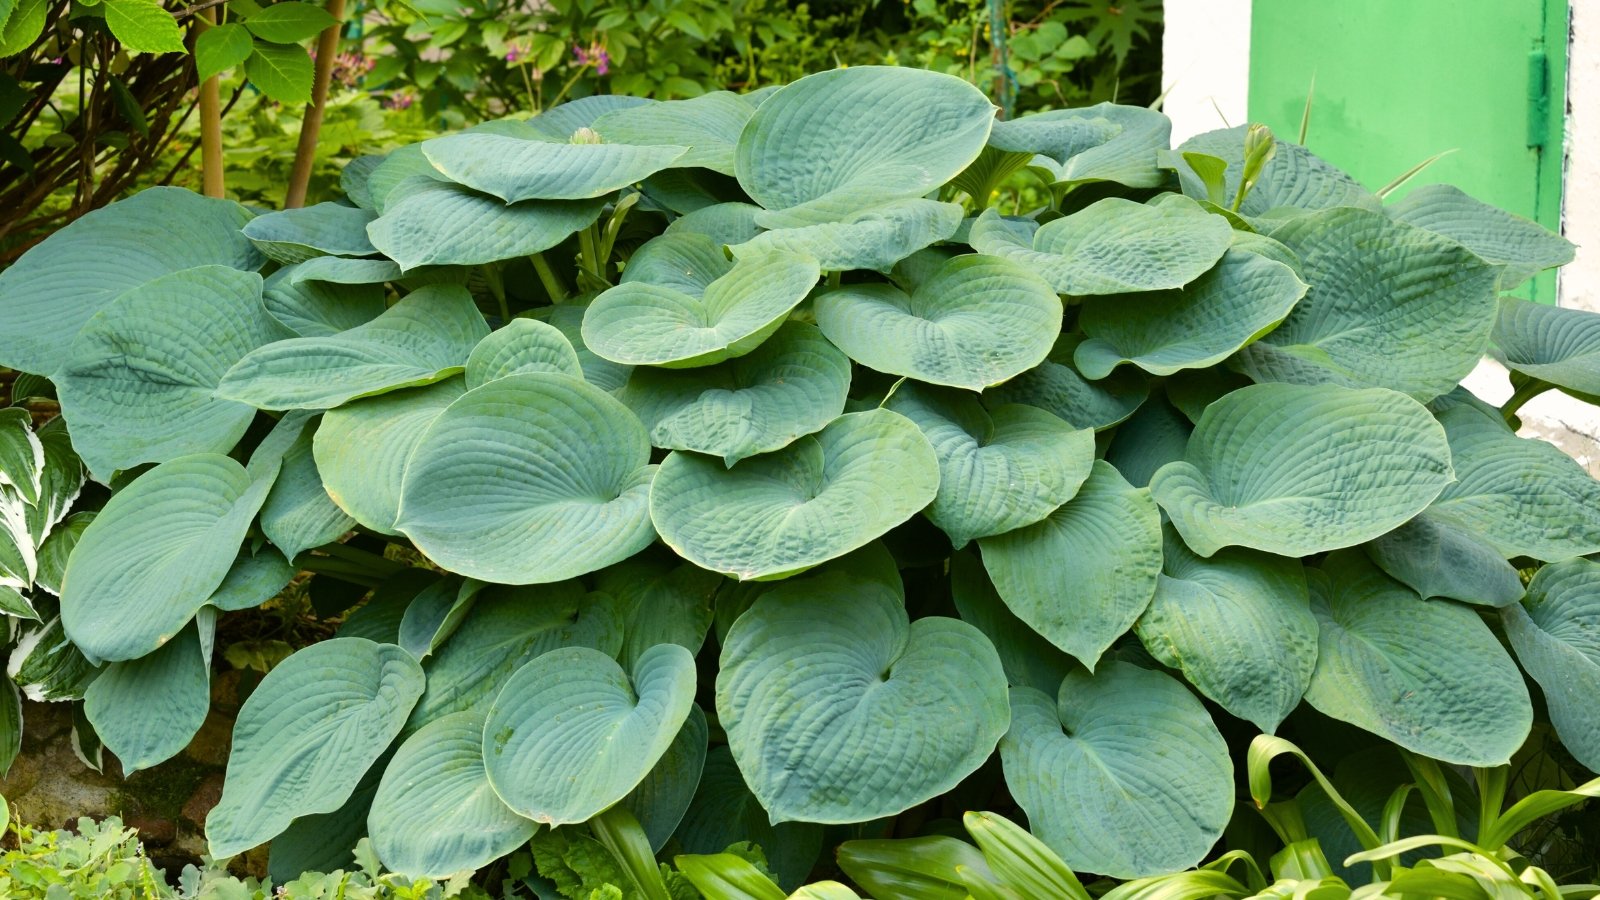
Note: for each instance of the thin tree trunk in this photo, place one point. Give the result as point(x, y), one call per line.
point(211, 127)
point(305, 153)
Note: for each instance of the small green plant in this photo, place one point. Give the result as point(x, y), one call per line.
point(771, 478)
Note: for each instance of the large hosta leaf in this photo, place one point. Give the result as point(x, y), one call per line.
point(523, 345)
point(811, 673)
point(1152, 437)
point(819, 498)
point(1522, 496)
point(724, 812)
point(147, 709)
point(792, 385)
point(1390, 305)
point(875, 235)
point(707, 125)
point(1552, 344)
point(149, 560)
point(361, 449)
point(137, 386)
point(320, 308)
point(1554, 633)
point(1028, 659)
point(1056, 387)
point(1104, 142)
point(253, 579)
point(882, 130)
point(527, 479)
point(516, 169)
point(1298, 469)
point(1428, 675)
point(306, 736)
point(324, 229)
point(999, 469)
point(570, 734)
point(1523, 247)
point(49, 293)
point(1293, 177)
point(684, 304)
point(1082, 575)
point(977, 321)
point(1122, 772)
point(1239, 626)
point(424, 338)
point(661, 799)
point(508, 627)
point(663, 601)
point(1112, 246)
point(298, 513)
point(567, 318)
point(447, 224)
point(1244, 297)
point(434, 813)
point(1436, 558)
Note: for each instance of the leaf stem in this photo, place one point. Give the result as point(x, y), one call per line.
point(548, 277)
point(1527, 391)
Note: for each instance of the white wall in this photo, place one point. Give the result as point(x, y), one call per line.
point(1580, 281)
point(1206, 64)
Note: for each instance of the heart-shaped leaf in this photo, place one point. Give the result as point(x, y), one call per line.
point(320, 308)
point(790, 386)
point(1112, 246)
point(361, 449)
point(1056, 387)
point(1390, 305)
point(1552, 344)
point(517, 168)
point(137, 387)
point(570, 735)
point(298, 513)
point(662, 599)
point(147, 709)
point(57, 286)
point(811, 671)
point(1028, 659)
point(1292, 177)
point(155, 553)
point(523, 345)
point(424, 338)
point(780, 513)
point(978, 321)
point(434, 813)
point(439, 223)
point(683, 304)
point(999, 470)
point(875, 235)
point(1436, 558)
point(708, 126)
point(660, 800)
point(1129, 750)
point(1428, 675)
point(567, 318)
point(1523, 247)
point(307, 734)
point(1083, 574)
point(530, 479)
point(1104, 142)
point(323, 229)
point(1299, 469)
point(1238, 625)
point(1552, 632)
point(1244, 297)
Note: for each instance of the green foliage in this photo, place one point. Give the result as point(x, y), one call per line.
point(694, 431)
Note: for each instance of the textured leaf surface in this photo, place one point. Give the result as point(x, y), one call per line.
point(434, 813)
point(1298, 469)
point(320, 308)
point(570, 735)
point(1552, 344)
point(1244, 297)
point(1522, 496)
point(298, 513)
point(1152, 437)
point(1554, 633)
point(1028, 659)
point(568, 319)
point(1525, 248)
point(1112, 246)
point(425, 337)
point(1056, 387)
point(447, 224)
point(885, 130)
point(1104, 142)
point(137, 386)
point(253, 579)
point(724, 812)
point(1390, 305)
point(701, 311)
point(663, 601)
point(146, 710)
point(523, 345)
point(1238, 625)
point(515, 169)
point(1082, 575)
point(361, 449)
point(509, 627)
point(819, 498)
point(978, 321)
point(149, 560)
point(1425, 674)
point(528, 479)
point(1440, 559)
point(1293, 177)
point(283, 73)
point(323, 229)
point(1130, 750)
point(708, 126)
point(813, 670)
point(306, 736)
point(873, 237)
point(660, 800)
point(999, 470)
point(790, 386)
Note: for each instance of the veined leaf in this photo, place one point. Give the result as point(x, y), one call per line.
point(324, 229)
point(440, 223)
point(361, 449)
point(282, 72)
point(522, 346)
point(1104, 142)
point(1553, 634)
point(1523, 247)
point(515, 169)
point(146, 710)
point(1550, 343)
point(708, 126)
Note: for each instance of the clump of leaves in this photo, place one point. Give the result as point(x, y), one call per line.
point(763, 389)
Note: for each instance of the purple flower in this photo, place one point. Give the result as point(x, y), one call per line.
point(513, 53)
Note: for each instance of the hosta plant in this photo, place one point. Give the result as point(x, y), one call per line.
point(774, 482)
